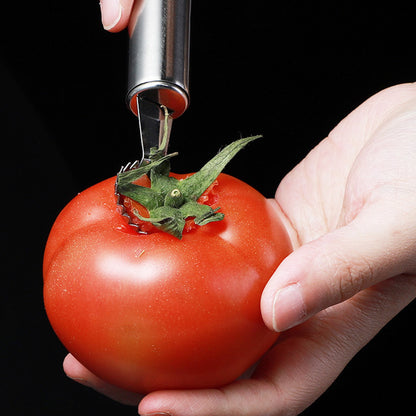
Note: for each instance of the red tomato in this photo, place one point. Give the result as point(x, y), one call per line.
point(149, 312)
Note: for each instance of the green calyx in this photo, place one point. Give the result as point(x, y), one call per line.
point(170, 201)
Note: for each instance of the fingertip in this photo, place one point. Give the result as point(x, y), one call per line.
point(284, 308)
point(77, 372)
point(158, 403)
point(115, 14)
point(283, 302)
point(181, 402)
point(266, 305)
point(73, 368)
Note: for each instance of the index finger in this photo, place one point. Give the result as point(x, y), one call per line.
point(115, 14)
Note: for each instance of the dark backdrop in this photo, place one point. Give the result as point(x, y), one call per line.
point(289, 70)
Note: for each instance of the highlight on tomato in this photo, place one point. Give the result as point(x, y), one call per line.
point(153, 280)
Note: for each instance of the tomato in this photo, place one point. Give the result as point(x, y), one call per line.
point(149, 311)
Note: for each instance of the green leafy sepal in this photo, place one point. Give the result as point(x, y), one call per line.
point(170, 201)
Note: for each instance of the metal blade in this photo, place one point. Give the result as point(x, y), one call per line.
point(153, 121)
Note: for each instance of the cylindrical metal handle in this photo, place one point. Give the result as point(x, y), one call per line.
point(159, 55)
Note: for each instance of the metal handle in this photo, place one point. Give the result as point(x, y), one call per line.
point(159, 55)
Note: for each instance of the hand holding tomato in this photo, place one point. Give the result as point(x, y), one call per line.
point(169, 299)
point(351, 205)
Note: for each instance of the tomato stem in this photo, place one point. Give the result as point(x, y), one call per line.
point(170, 201)
point(164, 144)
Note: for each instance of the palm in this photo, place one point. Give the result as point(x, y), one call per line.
point(340, 176)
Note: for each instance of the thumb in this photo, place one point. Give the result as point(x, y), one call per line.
point(375, 246)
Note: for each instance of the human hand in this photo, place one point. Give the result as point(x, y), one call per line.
point(352, 204)
point(115, 14)
point(349, 206)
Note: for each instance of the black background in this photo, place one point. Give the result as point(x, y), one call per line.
point(288, 70)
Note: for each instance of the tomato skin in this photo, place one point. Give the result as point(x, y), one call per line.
point(150, 312)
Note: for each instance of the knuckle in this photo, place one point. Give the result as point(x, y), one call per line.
point(352, 276)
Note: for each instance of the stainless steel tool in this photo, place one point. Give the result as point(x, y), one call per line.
point(158, 75)
point(158, 66)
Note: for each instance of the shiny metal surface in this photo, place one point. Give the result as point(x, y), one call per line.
point(153, 120)
point(159, 55)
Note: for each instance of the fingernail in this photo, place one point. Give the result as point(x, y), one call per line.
point(288, 307)
point(110, 13)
